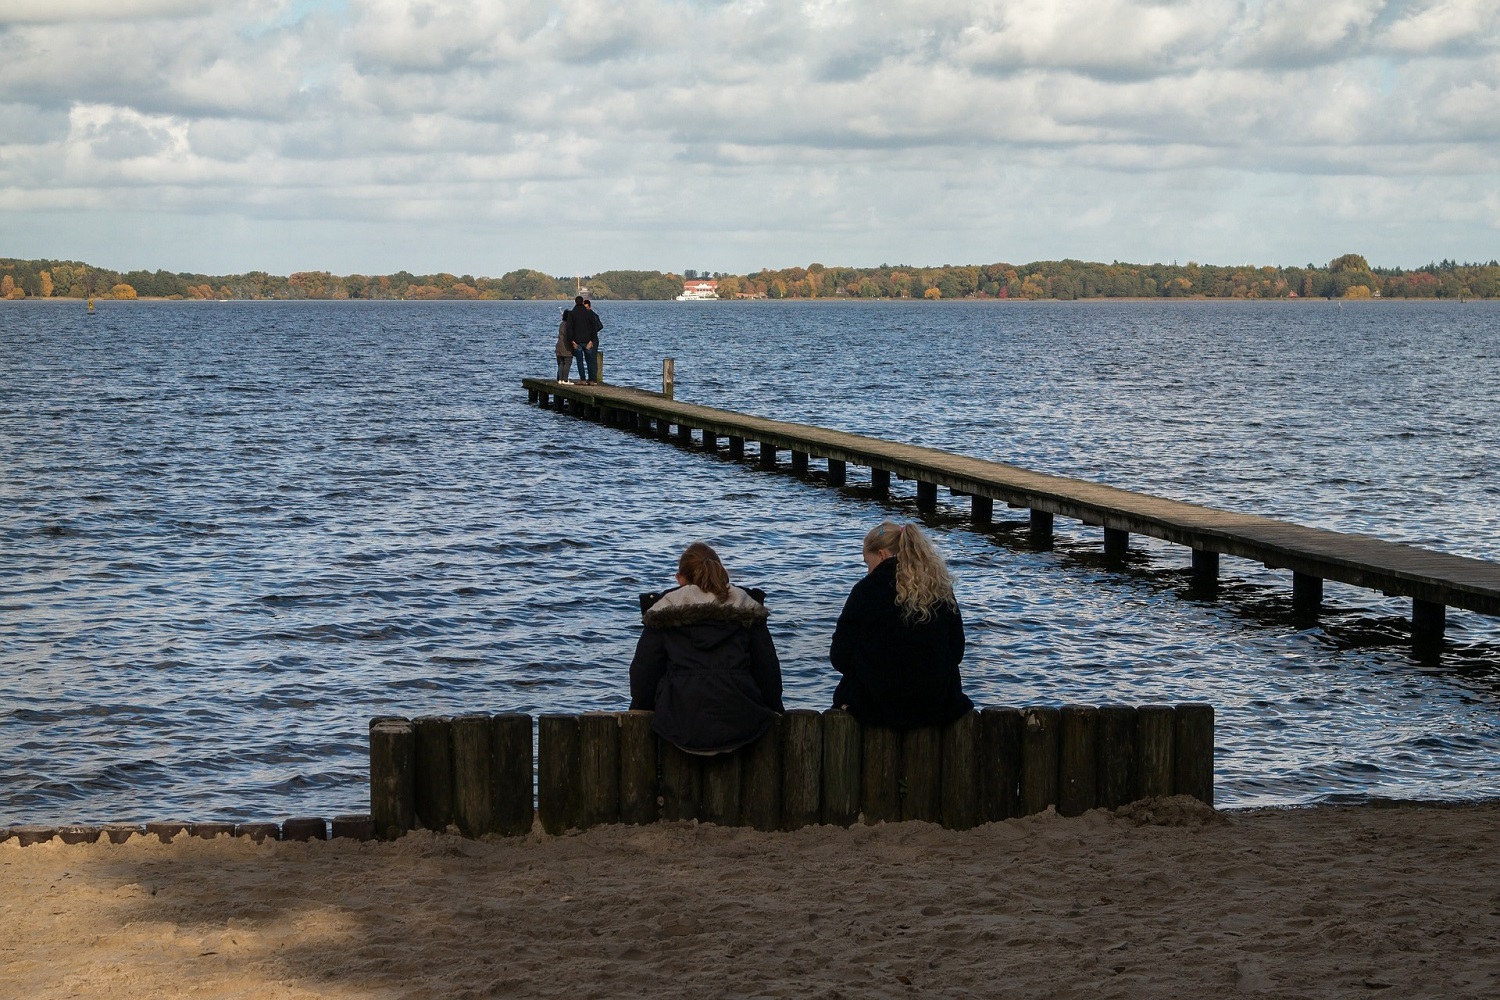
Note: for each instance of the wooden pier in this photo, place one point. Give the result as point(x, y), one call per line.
point(1434, 581)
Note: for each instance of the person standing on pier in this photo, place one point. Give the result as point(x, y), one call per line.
point(584, 325)
point(564, 349)
point(705, 662)
point(900, 637)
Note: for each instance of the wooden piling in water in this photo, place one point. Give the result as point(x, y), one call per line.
point(1039, 529)
point(837, 472)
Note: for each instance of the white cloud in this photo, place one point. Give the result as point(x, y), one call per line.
point(1447, 25)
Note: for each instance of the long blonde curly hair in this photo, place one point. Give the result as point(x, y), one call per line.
point(923, 583)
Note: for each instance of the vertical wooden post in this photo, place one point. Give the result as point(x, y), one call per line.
point(760, 795)
point(557, 753)
point(721, 789)
point(842, 744)
point(837, 472)
point(926, 497)
point(512, 804)
point(960, 781)
point(710, 441)
point(1155, 754)
point(880, 481)
point(685, 433)
point(799, 463)
point(999, 764)
point(681, 782)
point(1205, 572)
point(880, 799)
point(981, 510)
point(1193, 750)
point(637, 769)
point(392, 796)
point(736, 447)
point(473, 775)
point(1039, 752)
point(668, 377)
point(1039, 531)
point(767, 455)
point(1117, 755)
point(1428, 622)
point(1307, 595)
point(922, 774)
point(1078, 760)
point(433, 770)
point(598, 769)
point(1116, 544)
point(663, 428)
point(801, 768)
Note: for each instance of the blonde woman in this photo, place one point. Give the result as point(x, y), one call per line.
point(705, 662)
point(900, 637)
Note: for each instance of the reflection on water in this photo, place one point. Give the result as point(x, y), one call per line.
point(236, 531)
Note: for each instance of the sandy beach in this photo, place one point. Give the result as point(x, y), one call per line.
point(1163, 898)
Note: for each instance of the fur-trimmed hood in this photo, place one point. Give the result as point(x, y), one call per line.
point(688, 605)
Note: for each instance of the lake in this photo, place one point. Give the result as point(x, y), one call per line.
point(235, 531)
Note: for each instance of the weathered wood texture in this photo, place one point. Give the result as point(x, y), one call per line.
point(1434, 578)
point(809, 768)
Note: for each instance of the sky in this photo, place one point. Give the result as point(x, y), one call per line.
point(482, 136)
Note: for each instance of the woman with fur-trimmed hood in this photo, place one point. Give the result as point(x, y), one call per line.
point(705, 663)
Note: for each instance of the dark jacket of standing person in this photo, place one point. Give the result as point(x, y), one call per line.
point(583, 324)
point(899, 669)
point(706, 665)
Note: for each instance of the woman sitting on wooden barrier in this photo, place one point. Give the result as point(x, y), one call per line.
point(900, 637)
point(705, 662)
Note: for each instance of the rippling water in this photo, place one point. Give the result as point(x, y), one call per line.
point(235, 531)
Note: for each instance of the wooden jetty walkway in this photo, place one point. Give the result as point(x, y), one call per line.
point(1434, 581)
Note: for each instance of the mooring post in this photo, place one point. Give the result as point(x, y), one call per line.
point(1116, 544)
point(880, 481)
point(926, 496)
point(599, 367)
point(1040, 529)
point(668, 376)
point(799, 462)
point(1428, 622)
point(1307, 595)
point(837, 472)
point(981, 510)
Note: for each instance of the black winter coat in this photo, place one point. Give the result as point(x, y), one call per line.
point(708, 669)
point(897, 674)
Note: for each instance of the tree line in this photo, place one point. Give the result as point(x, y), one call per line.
point(1349, 276)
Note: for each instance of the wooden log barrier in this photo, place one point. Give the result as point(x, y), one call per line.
point(810, 767)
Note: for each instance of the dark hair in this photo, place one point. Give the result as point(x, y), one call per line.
point(588, 302)
point(700, 566)
point(578, 300)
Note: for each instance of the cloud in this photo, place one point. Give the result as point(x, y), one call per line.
point(1447, 26)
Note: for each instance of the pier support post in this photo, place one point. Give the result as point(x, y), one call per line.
point(880, 481)
point(799, 463)
point(982, 511)
point(710, 441)
point(1040, 529)
point(767, 455)
point(1428, 622)
point(663, 428)
point(837, 472)
point(736, 447)
point(1205, 572)
point(1116, 544)
point(1307, 595)
point(685, 433)
point(926, 497)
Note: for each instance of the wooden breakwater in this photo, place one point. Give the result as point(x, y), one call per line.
point(296, 828)
point(1434, 581)
point(477, 773)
